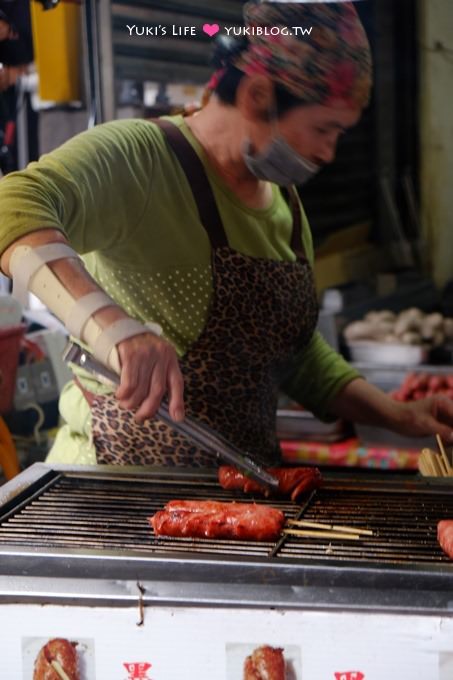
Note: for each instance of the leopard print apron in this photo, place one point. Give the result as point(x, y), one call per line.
point(262, 312)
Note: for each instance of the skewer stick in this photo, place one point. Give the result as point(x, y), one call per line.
point(321, 534)
point(439, 464)
point(58, 670)
point(328, 527)
point(434, 462)
point(444, 467)
point(444, 456)
point(426, 457)
point(423, 465)
point(437, 461)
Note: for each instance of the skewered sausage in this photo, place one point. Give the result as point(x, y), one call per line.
point(58, 656)
point(266, 663)
point(445, 536)
point(293, 482)
point(213, 519)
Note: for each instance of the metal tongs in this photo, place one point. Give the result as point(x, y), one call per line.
point(203, 436)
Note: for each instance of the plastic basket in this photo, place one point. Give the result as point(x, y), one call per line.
point(10, 338)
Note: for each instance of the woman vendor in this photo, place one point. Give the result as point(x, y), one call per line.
point(196, 280)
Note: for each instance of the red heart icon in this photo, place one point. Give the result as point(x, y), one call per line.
point(211, 29)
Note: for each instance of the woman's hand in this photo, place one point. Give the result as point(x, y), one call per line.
point(149, 364)
point(149, 370)
point(5, 30)
point(361, 402)
point(425, 417)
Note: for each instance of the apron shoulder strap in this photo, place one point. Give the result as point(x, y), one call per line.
point(203, 194)
point(296, 238)
point(198, 181)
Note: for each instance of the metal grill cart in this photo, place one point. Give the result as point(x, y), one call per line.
point(79, 561)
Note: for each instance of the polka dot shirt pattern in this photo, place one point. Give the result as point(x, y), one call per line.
point(177, 301)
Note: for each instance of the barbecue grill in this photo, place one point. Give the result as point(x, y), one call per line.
point(81, 536)
point(92, 523)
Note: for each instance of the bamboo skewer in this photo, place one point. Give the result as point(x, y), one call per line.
point(444, 456)
point(321, 534)
point(445, 470)
point(437, 464)
point(329, 527)
point(59, 670)
point(433, 464)
point(423, 466)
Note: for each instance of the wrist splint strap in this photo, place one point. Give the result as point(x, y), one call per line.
point(32, 261)
point(75, 314)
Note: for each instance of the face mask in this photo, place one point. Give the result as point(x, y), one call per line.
point(279, 163)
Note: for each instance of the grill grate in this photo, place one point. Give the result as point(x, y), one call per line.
point(102, 513)
point(404, 526)
point(109, 514)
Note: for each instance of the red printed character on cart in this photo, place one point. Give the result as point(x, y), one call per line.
point(350, 675)
point(138, 670)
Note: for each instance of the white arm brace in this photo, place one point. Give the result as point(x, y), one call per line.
point(30, 271)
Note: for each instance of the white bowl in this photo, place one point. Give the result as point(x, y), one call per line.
point(387, 353)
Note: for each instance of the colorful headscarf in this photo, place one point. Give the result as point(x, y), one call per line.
point(331, 63)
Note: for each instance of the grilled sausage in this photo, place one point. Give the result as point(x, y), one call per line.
point(266, 663)
point(212, 519)
point(445, 536)
point(293, 482)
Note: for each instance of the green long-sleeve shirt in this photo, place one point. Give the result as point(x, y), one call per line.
point(125, 205)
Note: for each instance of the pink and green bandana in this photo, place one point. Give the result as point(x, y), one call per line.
point(331, 63)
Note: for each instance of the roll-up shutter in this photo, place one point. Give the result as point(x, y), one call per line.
point(344, 193)
point(170, 58)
